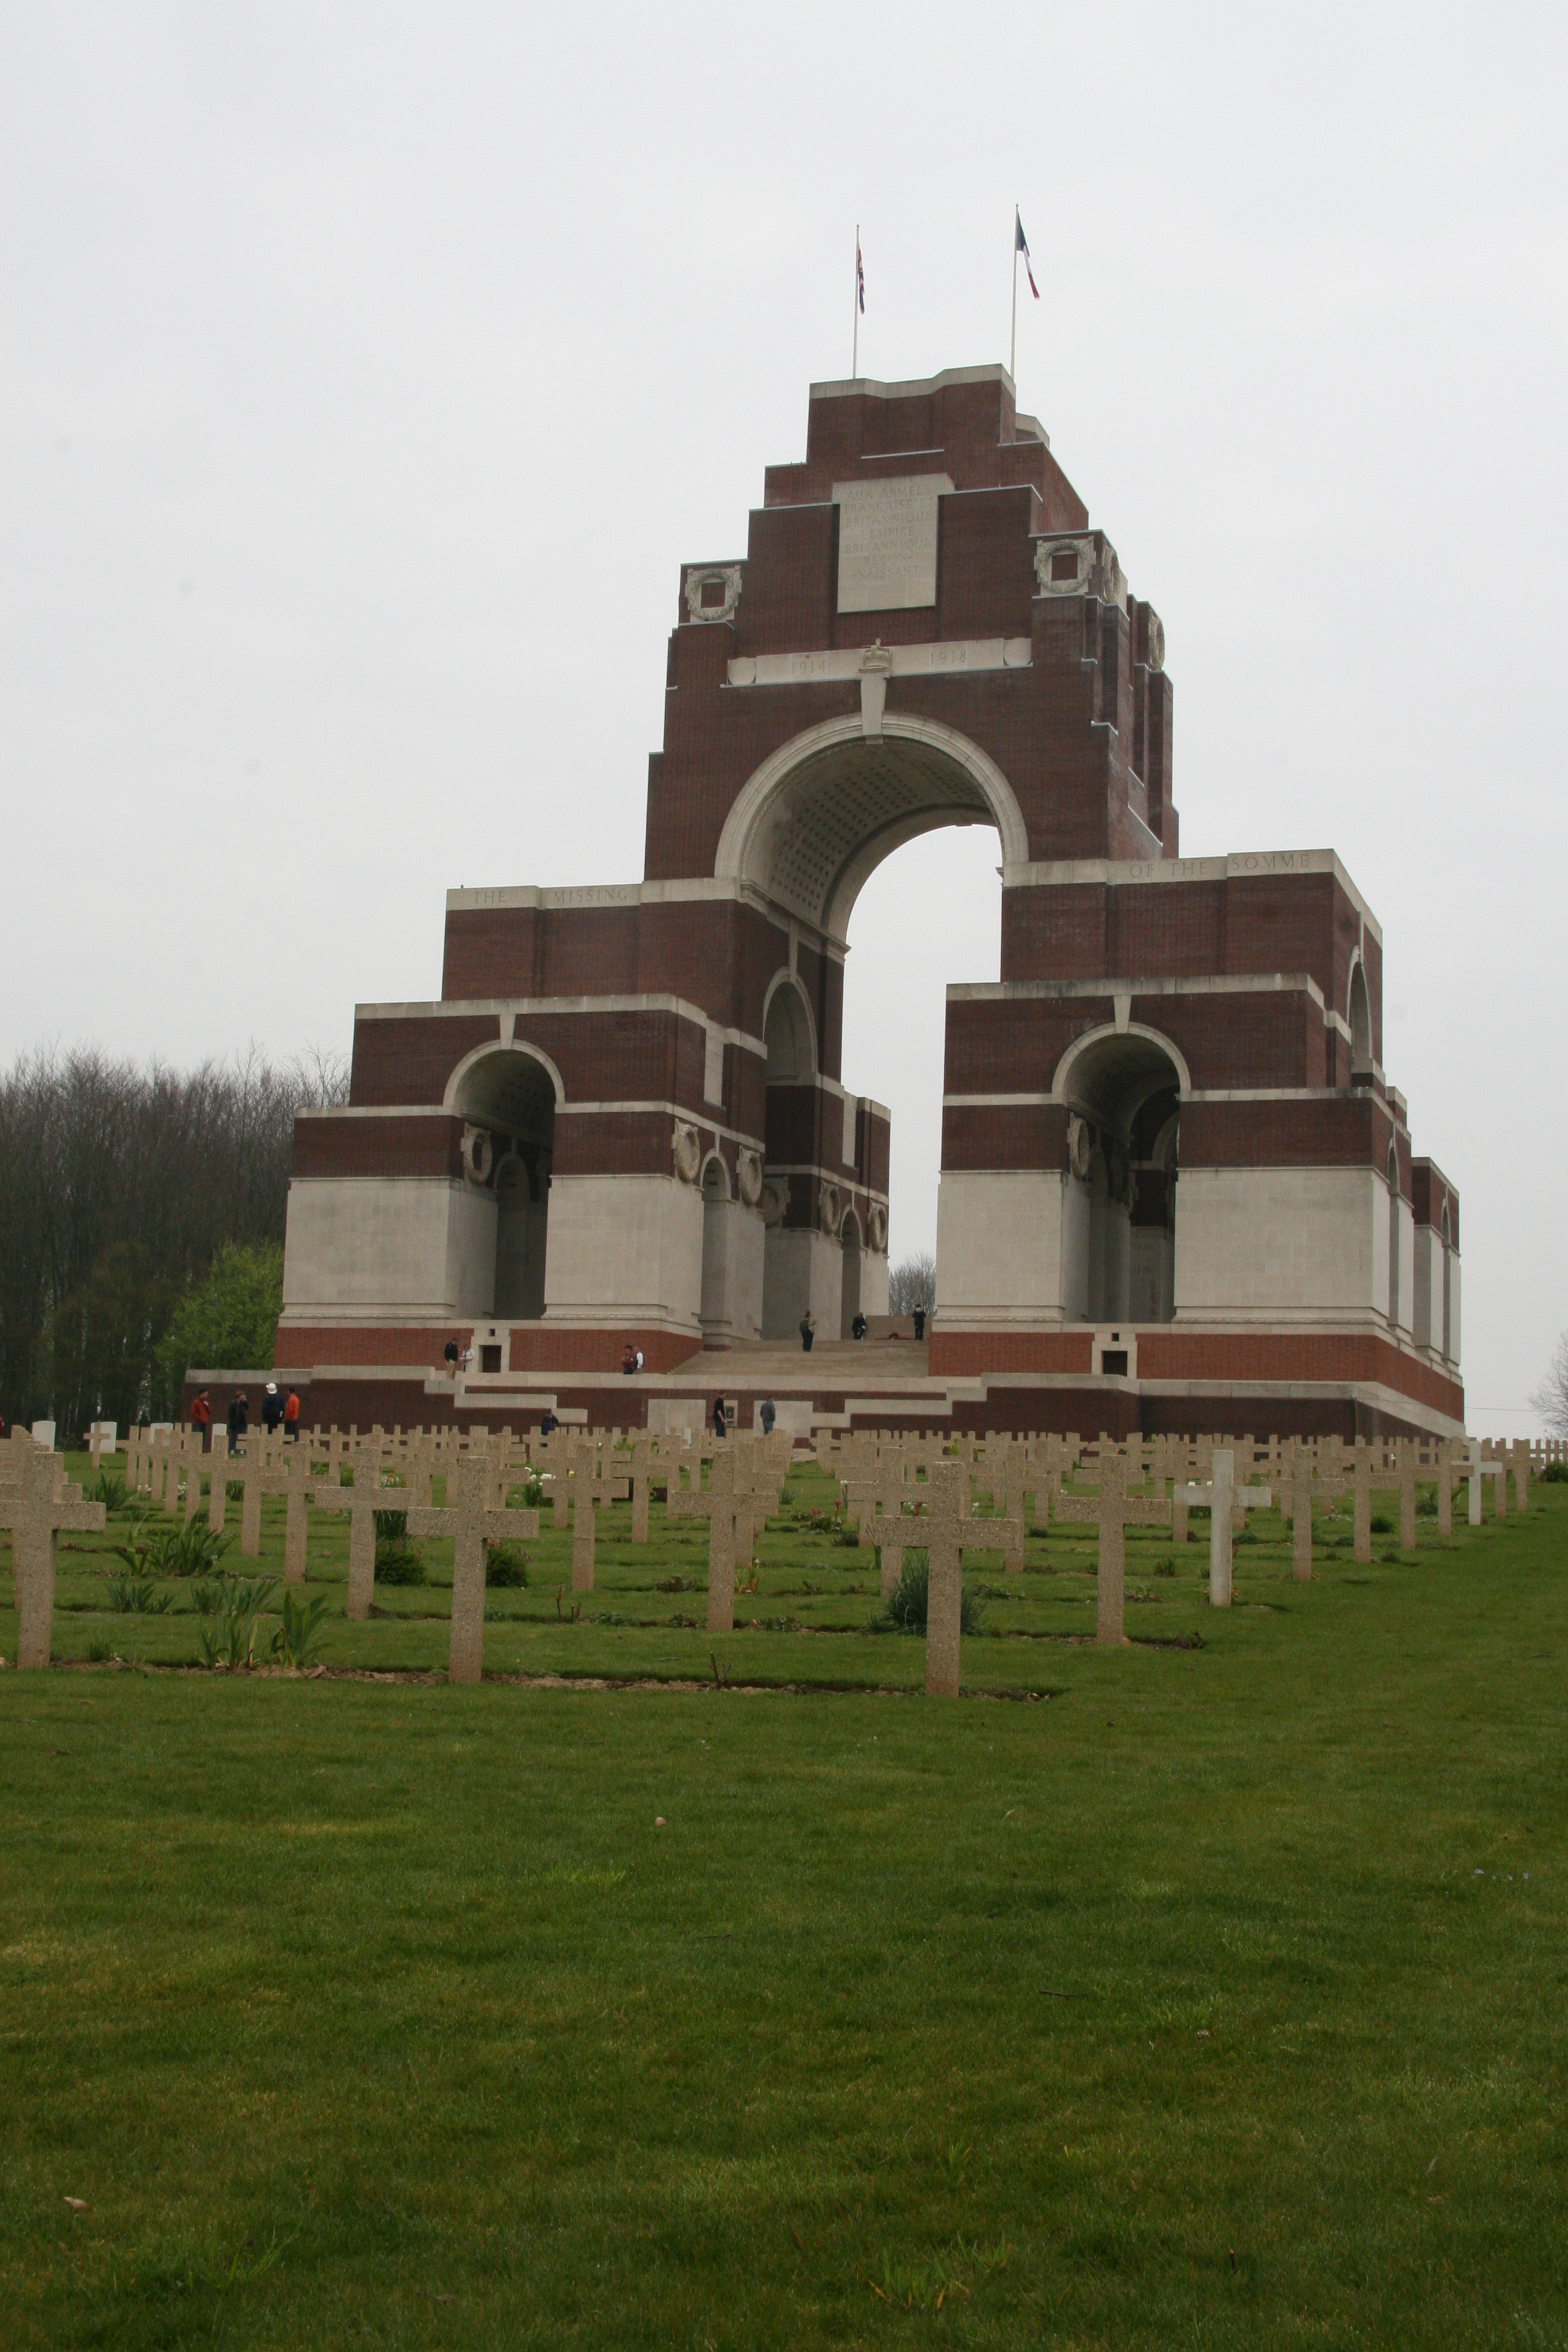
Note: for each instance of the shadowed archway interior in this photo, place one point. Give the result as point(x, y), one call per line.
point(1118, 1236)
point(509, 1096)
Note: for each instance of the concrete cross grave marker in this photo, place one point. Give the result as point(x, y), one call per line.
point(1113, 1509)
point(641, 1475)
point(950, 1530)
point(473, 1525)
point(291, 1476)
point(38, 1501)
point(1309, 1482)
point(594, 1484)
point(728, 1506)
point(1443, 1463)
point(1365, 1461)
point(1225, 1500)
point(549, 1456)
point(893, 1533)
point(1476, 1469)
point(192, 1475)
point(360, 1501)
point(1406, 1468)
point(259, 1455)
point(1518, 1455)
point(217, 1482)
point(159, 1470)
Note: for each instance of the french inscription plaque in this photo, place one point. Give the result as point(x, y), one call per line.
point(886, 543)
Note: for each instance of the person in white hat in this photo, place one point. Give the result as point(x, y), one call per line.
point(271, 1410)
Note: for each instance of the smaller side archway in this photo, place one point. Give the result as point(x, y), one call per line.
point(853, 1244)
point(1358, 1014)
point(789, 1032)
point(1123, 1089)
point(507, 1097)
point(714, 1182)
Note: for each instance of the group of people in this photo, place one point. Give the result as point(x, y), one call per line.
point(277, 1411)
point(631, 1359)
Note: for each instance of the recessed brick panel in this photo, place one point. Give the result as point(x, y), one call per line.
point(377, 1147)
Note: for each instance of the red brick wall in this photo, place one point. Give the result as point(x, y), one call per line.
point(377, 1147)
point(410, 1061)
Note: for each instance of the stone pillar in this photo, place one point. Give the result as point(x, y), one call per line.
point(1222, 1482)
point(582, 1531)
point(465, 1660)
point(945, 1606)
point(362, 1555)
point(34, 1551)
point(217, 1480)
point(721, 1566)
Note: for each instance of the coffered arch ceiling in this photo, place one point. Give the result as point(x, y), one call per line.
point(816, 820)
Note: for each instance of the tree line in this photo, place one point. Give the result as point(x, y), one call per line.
point(121, 1187)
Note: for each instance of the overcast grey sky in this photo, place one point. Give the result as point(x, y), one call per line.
point(369, 371)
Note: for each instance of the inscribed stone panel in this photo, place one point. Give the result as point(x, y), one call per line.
point(886, 543)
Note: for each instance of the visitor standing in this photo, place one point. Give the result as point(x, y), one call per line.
point(807, 1331)
point(238, 1417)
point(291, 1415)
point(721, 1425)
point(202, 1418)
point(271, 1410)
point(767, 1416)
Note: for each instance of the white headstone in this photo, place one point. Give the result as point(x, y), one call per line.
point(44, 1433)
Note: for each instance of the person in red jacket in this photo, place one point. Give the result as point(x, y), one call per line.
point(291, 1415)
point(202, 1417)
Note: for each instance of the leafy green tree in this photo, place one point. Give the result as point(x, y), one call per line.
point(229, 1319)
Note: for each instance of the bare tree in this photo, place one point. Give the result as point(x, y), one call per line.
point(118, 1184)
point(1551, 1398)
point(912, 1284)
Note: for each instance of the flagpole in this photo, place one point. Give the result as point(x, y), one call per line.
point(1012, 347)
point(855, 361)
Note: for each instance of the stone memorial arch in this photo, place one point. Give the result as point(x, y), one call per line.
point(1170, 1156)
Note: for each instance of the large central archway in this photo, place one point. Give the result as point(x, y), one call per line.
point(817, 818)
point(807, 832)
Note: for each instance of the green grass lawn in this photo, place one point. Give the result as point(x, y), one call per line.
point(1208, 1991)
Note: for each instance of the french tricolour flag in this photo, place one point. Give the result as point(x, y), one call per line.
point(1021, 245)
point(860, 276)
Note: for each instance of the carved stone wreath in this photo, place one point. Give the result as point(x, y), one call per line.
point(1080, 1146)
point(877, 1227)
point(776, 1200)
point(687, 1151)
point(1097, 573)
point(726, 577)
point(749, 1176)
point(827, 1208)
point(478, 1155)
